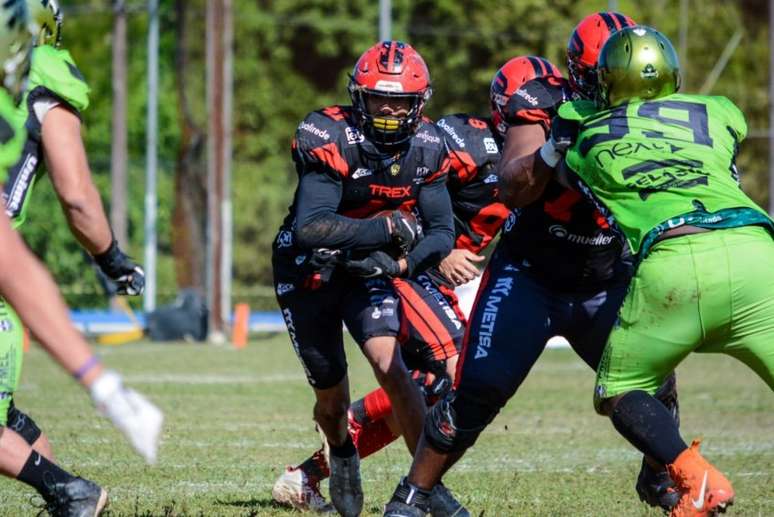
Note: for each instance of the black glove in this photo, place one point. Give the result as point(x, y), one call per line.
point(564, 133)
point(405, 231)
point(376, 264)
point(324, 262)
point(128, 276)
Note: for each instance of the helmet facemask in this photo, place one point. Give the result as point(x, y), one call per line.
point(384, 128)
point(583, 78)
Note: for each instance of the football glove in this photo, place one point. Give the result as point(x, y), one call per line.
point(135, 416)
point(564, 133)
point(404, 231)
point(376, 264)
point(128, 276)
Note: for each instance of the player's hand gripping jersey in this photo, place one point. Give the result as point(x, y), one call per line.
point(346, 179)
point(54, 80)
point(561, 238)
point(474, 149)
point(649, 166)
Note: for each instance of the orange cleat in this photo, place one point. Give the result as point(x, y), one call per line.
point(705, 491)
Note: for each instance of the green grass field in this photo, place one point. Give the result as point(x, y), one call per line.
point(235, 418)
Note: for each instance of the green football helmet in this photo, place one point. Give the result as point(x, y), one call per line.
point(636, 63)
point(16, 42)
point(46, 20)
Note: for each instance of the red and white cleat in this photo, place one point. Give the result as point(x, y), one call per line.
point(295, 489)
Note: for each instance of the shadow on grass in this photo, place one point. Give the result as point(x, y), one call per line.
point(254, 505)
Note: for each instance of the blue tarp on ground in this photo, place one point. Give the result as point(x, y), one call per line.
point(95, 321)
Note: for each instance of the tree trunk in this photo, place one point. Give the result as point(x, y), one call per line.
point(189, 217)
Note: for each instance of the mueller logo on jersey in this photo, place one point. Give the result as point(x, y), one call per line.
point(452, 133)
point(428, 138)
point(390, 192)
point(560, 232)
point(311, 128)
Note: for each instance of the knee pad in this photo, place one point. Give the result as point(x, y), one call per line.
point(443, 430)
point(667, 395)
point(23, 425)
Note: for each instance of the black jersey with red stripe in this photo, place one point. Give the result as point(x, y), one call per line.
point(474, 148)
point(561, 237)
point(345, 179)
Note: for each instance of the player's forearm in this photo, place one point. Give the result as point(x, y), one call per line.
point(523, 181)
point(31, 291)
point(70, 175)
point(87, 220)
point(520, 183)
point(319, 226)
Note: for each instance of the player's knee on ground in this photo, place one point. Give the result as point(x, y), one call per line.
point(455, 422)
point(23, 425)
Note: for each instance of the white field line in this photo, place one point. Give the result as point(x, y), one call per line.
point(199, 378)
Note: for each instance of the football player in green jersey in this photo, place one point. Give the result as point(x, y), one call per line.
point(661, 167)
point(24, 282)
point(50, 108)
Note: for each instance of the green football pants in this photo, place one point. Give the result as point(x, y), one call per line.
point(705, 292)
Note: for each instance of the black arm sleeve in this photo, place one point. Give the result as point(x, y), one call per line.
point(436, 211)
point(319, 226)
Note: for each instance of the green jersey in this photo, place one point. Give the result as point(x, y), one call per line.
point(54, 80)
point(12, 136)
point(655, 165)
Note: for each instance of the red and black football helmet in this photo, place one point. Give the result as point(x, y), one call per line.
point(584, 45)
point(390, 69)
point(512, 76)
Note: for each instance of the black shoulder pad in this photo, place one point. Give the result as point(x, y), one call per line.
point(536, 101)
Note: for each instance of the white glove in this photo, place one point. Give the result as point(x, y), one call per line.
point(134, 415)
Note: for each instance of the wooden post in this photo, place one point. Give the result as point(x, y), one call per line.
point(219, 104)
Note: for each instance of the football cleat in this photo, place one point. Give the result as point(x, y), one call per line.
point(399, 509)
point(443, 503)
point(345, 485)
point(656, 488)
point(408, 501)
point(704, 490)
point(297, 490)
point(77, 498)
point(134, 415)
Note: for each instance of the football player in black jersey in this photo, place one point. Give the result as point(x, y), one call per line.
point(355, 163)
point(558, 269)
point(473, 147)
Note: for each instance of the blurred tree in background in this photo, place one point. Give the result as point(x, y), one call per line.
point(293, 56)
